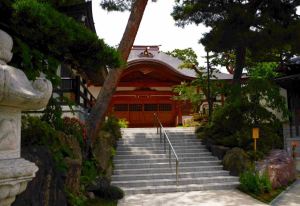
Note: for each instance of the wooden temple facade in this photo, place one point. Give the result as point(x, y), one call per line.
point(145, 88)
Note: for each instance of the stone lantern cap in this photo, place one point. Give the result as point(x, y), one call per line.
point(16, 90)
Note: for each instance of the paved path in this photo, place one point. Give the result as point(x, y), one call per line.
point(196, 198)
point(291, 197)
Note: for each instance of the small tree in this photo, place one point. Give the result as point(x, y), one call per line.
point(201, 89)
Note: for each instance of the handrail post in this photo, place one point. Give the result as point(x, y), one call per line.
point(176, 172)
point(170, 155)
point(165, 142)
point(163, 134)
point(160, 135)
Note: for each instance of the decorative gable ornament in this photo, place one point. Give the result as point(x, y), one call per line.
point(146, 53)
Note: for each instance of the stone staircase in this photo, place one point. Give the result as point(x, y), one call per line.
point(141, 165)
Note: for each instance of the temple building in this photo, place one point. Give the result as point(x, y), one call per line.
point(146, 88)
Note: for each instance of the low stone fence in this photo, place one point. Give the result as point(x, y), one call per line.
point(292, 142)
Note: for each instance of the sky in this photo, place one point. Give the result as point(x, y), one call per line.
point(157, 28)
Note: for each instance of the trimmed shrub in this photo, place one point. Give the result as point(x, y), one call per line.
point(102, 188)
point(236, 161)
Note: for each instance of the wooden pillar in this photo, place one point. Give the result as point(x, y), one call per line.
point(179, 113)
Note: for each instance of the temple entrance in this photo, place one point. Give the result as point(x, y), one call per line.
point(138, 110)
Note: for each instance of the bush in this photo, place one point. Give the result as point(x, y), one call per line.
point(115, 193)
point(254, 183)
point(102, 188)
point(112, 126)
point(123, 123)
point(89, 172)
point(236, 161)
point(38, 132)
point(74, 127)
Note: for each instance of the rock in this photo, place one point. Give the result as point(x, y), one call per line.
point(101, 188)
point(102, 151)
point(236, 161)
point(72, 181)
point(47, 188)
point(74, 164)
point(91, 195)
point(98, 183)
point(219, 151)
point(280, 168)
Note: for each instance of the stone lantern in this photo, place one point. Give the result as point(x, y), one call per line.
point(17, 94)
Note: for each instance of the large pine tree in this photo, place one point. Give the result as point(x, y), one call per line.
point(261, 28)
point(98, 111)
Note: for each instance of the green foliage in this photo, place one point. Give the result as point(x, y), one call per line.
point(252, 182)
point(75, 128)
point(259, 99)
point(266, 30)
point(76, 200)
point(89, 172)
point(52, 113)
point(37, 132)
point(236, 161)
point(111, 125)
point(102, 202)
point(123, 123)
point(111, 192)
point(44, 37)
point(187, 56)
point(188, 92)
point(116, 5)
point(197, 91)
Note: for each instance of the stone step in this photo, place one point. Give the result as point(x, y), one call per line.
point(158, 165)
point(158, 146)
point(180, 188)
point(169, 175)
point(158, 151)
point(156, 136)
point(142, 164)
point(163, 160)
point(182, 181)
point(166, 169)
point(156, 141)
point(150, 156)
point(154, 129)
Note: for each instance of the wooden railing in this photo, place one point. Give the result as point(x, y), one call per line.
point(76, 87)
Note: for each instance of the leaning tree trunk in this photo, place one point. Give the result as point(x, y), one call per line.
point(97, 114)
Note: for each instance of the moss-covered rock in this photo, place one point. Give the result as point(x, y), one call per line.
point(102, 152)
point(236, 161)
point(47, 188)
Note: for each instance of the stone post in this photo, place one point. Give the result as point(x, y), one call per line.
point(17, 94)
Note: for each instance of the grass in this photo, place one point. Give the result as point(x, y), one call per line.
point(101, 202)
point(267, 197)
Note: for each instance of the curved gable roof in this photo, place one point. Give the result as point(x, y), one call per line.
point(136, 55)
point(154, 55)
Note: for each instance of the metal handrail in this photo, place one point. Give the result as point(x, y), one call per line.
point(163, 135)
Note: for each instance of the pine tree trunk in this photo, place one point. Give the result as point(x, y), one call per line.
point(240, 53)
point(97, 114)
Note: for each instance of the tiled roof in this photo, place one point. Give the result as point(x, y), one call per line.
point(153, 54)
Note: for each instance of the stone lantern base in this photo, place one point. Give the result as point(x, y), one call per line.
point(14, 176)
